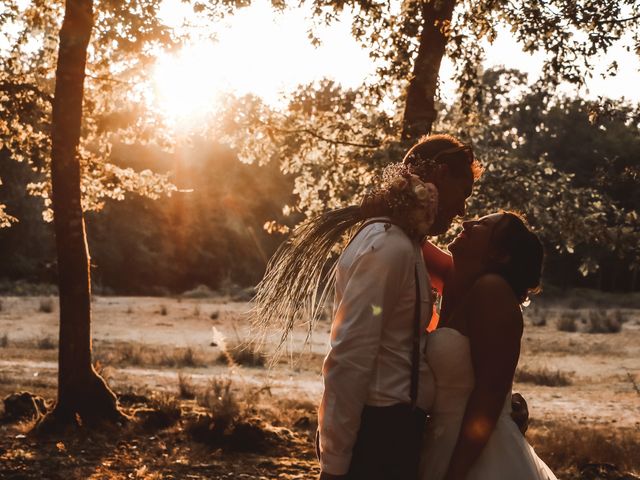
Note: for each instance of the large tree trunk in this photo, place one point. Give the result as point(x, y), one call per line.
point(420, 111)
point(82, 393)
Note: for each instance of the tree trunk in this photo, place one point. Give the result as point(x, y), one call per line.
point(420, 111)
point(82, 394)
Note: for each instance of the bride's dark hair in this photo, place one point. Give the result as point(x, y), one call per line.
point(523, 269)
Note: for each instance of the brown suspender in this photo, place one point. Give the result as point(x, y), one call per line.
point(415, 352)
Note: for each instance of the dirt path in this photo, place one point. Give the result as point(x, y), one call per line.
point(602, 367)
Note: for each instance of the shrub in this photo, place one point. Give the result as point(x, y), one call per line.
point(186, 387)
point(543, 376)
point(567, 322)
point(46, 343)
point(242, 354)
point(620, 316)
point(133, 355)
point(182, 357)
point(214, 315)
point(564, 445)
point(46, 305)
point(221, 403)
point(601, 322)
point(163, 310)
point(164, 412)
point(201, 291)
point(231, 425)
point(536, 317)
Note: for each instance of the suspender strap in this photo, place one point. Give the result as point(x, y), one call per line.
point(415, 352)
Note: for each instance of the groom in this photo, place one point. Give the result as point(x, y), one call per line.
point(377, 386)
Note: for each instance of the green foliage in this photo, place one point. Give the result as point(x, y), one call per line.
point(126, 38)
point(334, 140)
point(209, 234)
point(570, 34)
point(328, 137)
point(541, 152)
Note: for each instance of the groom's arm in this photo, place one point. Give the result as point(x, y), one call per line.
point(494, 331)
point(370, 290)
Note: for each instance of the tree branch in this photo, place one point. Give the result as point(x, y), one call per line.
point(109, 79)
point(621, 20)
point(314, 134)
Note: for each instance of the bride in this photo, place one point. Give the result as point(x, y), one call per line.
point(494, 264)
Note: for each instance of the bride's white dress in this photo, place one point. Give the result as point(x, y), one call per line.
point(507, 455)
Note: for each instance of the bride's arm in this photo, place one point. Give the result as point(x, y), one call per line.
point(494, 333)
point(439, 264)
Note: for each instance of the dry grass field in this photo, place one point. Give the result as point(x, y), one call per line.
point(205, 406)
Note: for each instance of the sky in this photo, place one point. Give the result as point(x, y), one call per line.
point(268, 53)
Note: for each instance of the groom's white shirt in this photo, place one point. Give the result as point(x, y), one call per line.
point(369, 362)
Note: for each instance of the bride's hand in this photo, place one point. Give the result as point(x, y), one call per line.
point(520, 412)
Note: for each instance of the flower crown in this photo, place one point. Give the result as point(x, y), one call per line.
point(411, 201)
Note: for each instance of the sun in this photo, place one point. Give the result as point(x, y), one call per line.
point(187, 84)
point(255, 51)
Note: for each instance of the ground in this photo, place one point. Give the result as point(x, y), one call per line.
point(157, 353)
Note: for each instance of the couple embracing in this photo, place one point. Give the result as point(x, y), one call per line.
point(401, 403)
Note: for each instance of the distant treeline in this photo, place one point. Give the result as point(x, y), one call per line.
point(211, 232)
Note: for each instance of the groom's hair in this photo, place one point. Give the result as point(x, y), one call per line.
point(432, 150)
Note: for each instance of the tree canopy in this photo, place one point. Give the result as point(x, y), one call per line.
point(540, 148)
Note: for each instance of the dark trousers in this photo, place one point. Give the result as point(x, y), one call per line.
point(388, 444)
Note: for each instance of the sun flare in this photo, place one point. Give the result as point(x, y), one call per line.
point(187, 84)
point(256, 51)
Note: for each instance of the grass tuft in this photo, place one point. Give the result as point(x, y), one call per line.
point(46, 343)
point(186, 388)
point(221, 403)
point(201, 291)
point(45, 305)
point(561, 446)
point(242, 354)
point(600, 321)
point(568, 322)
point(536, 317)
point(543, 377)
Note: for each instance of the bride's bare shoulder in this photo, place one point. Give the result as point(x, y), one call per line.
point(492, 298)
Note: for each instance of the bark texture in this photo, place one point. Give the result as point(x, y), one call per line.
point(83, 396)
point(420, 111)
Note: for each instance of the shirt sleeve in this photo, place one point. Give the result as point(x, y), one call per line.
point(370, 291)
